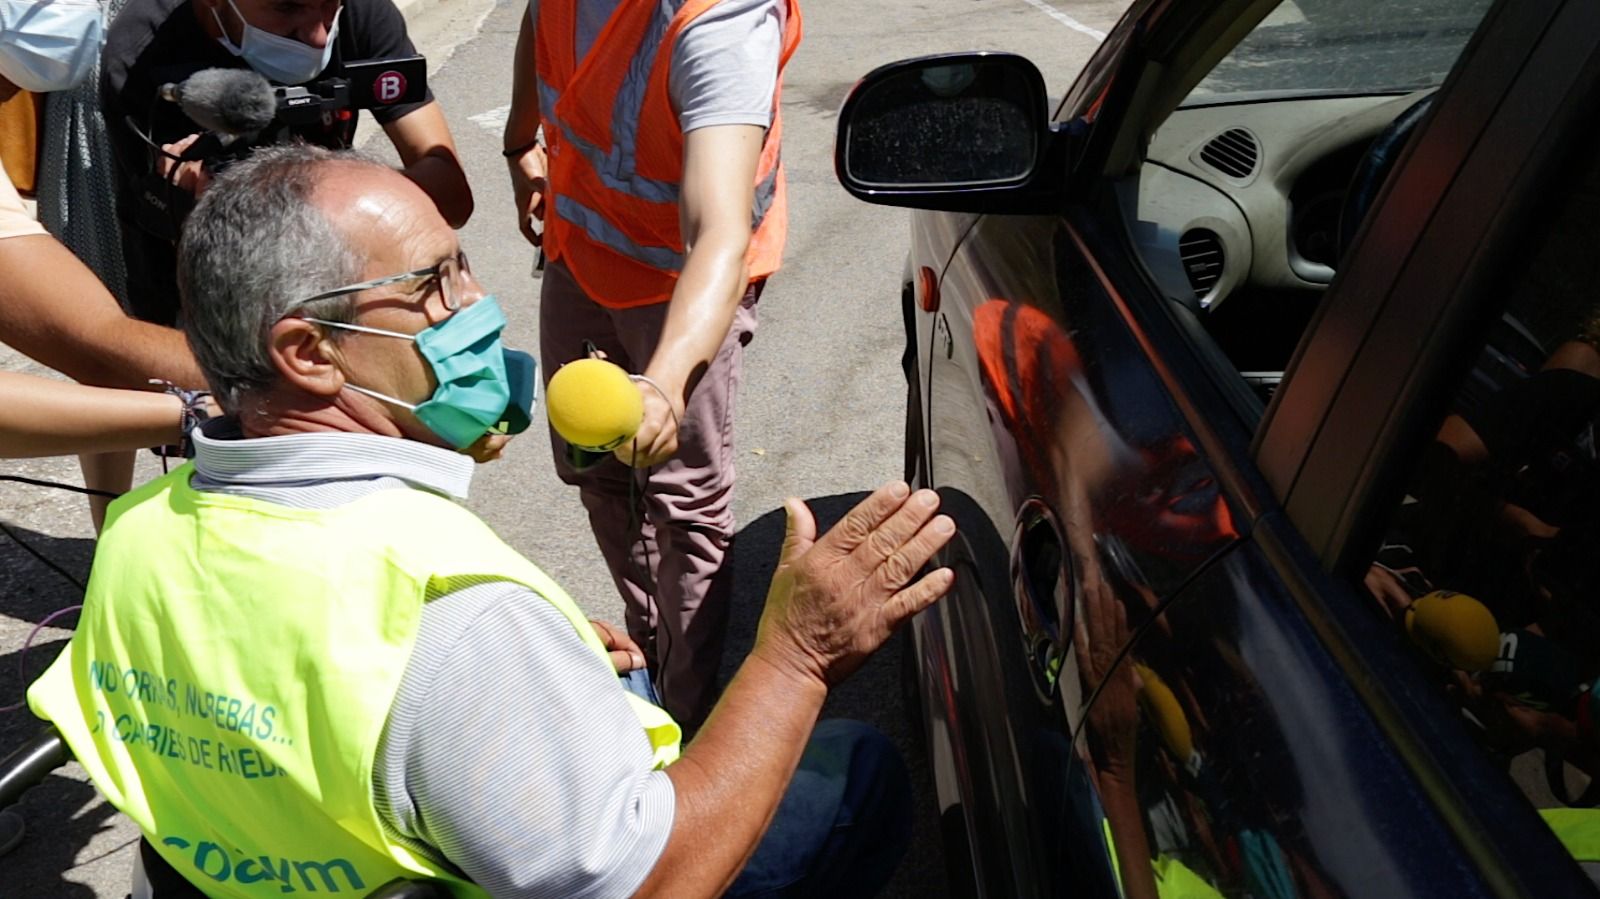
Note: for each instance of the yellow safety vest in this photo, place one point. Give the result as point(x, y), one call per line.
point(1174, 879)
point(234, 665)
point(1578, 829)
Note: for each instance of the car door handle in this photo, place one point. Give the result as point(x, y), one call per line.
point(1041, 579)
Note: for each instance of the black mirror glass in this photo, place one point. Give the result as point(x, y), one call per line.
point(968, 121)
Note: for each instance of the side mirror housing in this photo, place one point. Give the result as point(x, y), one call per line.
point(962, 132)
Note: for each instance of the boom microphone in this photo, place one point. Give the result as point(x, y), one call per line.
point(233, 103)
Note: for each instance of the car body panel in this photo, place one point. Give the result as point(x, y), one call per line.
point(1286, 778)
point(1006, 351)
point(1114, 498)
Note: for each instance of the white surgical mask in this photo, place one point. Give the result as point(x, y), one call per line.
point(49, 45)
point(281, 59)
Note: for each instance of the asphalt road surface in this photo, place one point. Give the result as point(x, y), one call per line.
point(820, 415)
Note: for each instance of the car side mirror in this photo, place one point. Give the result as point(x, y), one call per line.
point(961, 132)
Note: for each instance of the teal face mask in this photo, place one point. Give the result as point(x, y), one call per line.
point(475, 374)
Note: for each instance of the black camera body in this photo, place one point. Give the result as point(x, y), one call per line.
point(367, 84)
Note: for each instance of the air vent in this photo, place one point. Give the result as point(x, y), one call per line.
point(1233, 153)
point(1201, 252)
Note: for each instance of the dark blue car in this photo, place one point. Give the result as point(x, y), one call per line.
point(1263, 380)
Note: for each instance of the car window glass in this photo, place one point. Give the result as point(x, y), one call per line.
point(1338, 47)
point(1490, 566)
point(1251, 194)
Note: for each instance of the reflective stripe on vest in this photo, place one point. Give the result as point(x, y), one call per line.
point(234, 664)
point(616, 152)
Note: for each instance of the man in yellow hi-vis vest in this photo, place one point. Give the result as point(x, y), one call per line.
point(301, 666)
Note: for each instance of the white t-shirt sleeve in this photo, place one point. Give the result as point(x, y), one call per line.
point(512, 750)
point(725, 65)
point(14, 218)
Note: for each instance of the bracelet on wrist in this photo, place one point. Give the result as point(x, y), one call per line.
point(514, 152)
point(191, 416)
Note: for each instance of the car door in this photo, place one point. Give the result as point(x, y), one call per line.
point(1065, 464)
point(1319, 712)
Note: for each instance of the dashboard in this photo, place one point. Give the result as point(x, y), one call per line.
point(1248, 196)
point(1236, 213)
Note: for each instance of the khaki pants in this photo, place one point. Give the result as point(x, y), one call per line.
point(666, 532)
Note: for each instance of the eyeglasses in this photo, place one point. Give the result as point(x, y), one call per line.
point(446, 274)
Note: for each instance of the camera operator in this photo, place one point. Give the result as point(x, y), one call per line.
point(157, 42)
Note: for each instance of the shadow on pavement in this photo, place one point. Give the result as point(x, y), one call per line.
point(62, 815)
point(29, 588)
point(872, 695)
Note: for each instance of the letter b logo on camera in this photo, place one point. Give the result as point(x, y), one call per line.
point(389, 87)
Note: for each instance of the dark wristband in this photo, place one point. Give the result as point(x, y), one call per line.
point(514, 152)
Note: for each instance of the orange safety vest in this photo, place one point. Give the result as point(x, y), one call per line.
point(616, 152)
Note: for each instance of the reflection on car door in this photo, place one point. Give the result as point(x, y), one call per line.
point(1274, 733)
point(1085, 482)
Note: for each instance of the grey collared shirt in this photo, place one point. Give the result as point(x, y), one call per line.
point(510, 752)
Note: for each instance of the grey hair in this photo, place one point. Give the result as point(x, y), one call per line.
point(254, 245)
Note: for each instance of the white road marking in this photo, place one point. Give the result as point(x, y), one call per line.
point(493, 120)
point(1286, 13)
point(1065, 19)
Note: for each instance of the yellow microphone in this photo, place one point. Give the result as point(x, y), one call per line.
point(594, 405)
point(1162, 705)
point(1455, 629)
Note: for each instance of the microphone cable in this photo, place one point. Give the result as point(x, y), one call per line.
point(636, 527)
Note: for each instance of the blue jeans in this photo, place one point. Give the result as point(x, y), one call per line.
point(842, 825)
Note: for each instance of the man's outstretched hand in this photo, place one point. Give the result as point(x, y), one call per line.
point(835, 599)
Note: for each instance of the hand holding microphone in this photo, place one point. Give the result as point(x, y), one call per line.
point(598, 408)
point(656, 440)
point(230, 104)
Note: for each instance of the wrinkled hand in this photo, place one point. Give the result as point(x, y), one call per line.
point(835, 600)
point(528, 189)
point(656, 440)
point(192, 175)
point(625, 653)
point(487, 448)
point(1099, 635)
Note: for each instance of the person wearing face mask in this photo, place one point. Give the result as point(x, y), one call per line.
point(343, 674)
point(289, 42)
point(51, 45)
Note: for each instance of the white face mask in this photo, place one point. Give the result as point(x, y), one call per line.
point(281, 59)
point(50, 45)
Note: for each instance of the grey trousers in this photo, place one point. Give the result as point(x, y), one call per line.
point(666, 532)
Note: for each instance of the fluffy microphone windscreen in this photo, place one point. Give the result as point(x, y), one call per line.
point(593, 404)
point(234, 102)
point(1455, 629)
